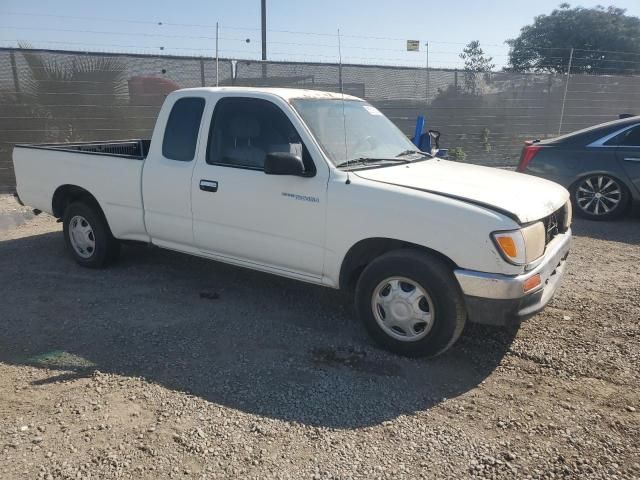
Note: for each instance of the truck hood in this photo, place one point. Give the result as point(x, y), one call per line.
point(522, 197)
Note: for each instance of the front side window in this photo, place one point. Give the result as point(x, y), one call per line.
point(628, 138)
point(245, 130)
point(181, 132)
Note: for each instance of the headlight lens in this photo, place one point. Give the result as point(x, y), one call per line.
point(568, 214)
point(521, 246)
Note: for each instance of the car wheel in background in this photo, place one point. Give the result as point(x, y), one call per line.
point(599, 197)
point(411, 303)
point(88, 237)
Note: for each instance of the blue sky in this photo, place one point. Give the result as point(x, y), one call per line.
point(373, 31)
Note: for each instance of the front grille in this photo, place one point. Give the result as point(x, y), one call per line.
point(555, 223)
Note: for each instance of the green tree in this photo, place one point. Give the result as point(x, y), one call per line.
point(457, 154)
point(476, 67)
point(605, 41)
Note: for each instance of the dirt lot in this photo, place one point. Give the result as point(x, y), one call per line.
point(167, 366)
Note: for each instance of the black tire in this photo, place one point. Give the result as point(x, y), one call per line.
point(578, 198)
point(106, 249)
point(435, 277)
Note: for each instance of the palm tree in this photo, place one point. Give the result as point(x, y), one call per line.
point(81, 97)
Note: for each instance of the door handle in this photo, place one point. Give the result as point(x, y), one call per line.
point(208, 185)
point(632, 159)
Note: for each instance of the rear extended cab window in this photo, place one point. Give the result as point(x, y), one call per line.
point(181, 131)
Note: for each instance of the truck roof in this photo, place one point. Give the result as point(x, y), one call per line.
point(284, 93)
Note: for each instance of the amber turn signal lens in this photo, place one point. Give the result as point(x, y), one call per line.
point(531, 283)
point(508, 246)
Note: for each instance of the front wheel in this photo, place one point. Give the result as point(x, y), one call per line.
point(599, 197)
point(411, 303)
point(88, 237)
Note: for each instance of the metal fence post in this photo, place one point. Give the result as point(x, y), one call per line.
point(340, 64)
point(428, 78)
point(548, 125)
point(217, 70)
point(234, 72)
point(16, 80)
point(566, 89)
point(202, 84)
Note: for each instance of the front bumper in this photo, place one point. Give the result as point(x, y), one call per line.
point(496, 299)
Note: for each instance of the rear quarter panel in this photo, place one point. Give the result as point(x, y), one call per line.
point(113, 181)
point(568, 158)
point(559, 164)
point(567, 165)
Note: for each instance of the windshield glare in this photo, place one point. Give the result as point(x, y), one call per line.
point(362, 132)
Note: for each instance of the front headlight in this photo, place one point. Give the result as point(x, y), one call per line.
point(521, 246)
point(568, 214)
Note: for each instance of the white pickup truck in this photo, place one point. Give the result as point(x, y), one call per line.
point(322, 188)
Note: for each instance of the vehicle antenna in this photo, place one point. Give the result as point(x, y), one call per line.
point(344, 116)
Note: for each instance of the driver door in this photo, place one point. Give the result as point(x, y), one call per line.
point(244, 216)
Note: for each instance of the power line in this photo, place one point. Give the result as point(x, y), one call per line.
point(96, 32)
point(295, 32)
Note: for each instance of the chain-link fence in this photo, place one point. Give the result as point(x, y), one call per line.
point(58, 96)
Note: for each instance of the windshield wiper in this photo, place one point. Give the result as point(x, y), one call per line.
point(413, 152)
point(368, 160)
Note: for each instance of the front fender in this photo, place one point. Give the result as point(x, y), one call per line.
point(455, 229)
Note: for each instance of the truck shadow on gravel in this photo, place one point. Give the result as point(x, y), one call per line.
point(250, 341)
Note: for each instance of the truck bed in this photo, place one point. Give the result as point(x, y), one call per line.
point(135, 148)
point(110, 171)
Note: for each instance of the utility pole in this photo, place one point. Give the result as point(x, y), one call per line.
point(263, 5)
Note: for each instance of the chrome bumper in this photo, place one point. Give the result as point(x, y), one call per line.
point(500, 299)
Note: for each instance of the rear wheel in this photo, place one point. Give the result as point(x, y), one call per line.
point(411, 303)
point(88, 237)
point(599, 197)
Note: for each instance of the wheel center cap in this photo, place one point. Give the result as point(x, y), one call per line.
point(400, 310)
point(598, 195)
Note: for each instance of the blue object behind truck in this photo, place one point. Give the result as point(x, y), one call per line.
point(428, 141)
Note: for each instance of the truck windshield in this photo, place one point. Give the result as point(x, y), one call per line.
point(354, 133)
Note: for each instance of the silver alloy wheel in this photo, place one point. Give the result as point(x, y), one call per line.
point(403, 309)
point(82, 237)
point(598, 195)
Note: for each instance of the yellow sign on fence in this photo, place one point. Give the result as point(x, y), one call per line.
point(413, 45)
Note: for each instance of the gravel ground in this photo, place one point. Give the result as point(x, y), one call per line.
point(169, 366)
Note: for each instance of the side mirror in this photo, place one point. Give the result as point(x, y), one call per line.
point(436, 137)
point(283, 163)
